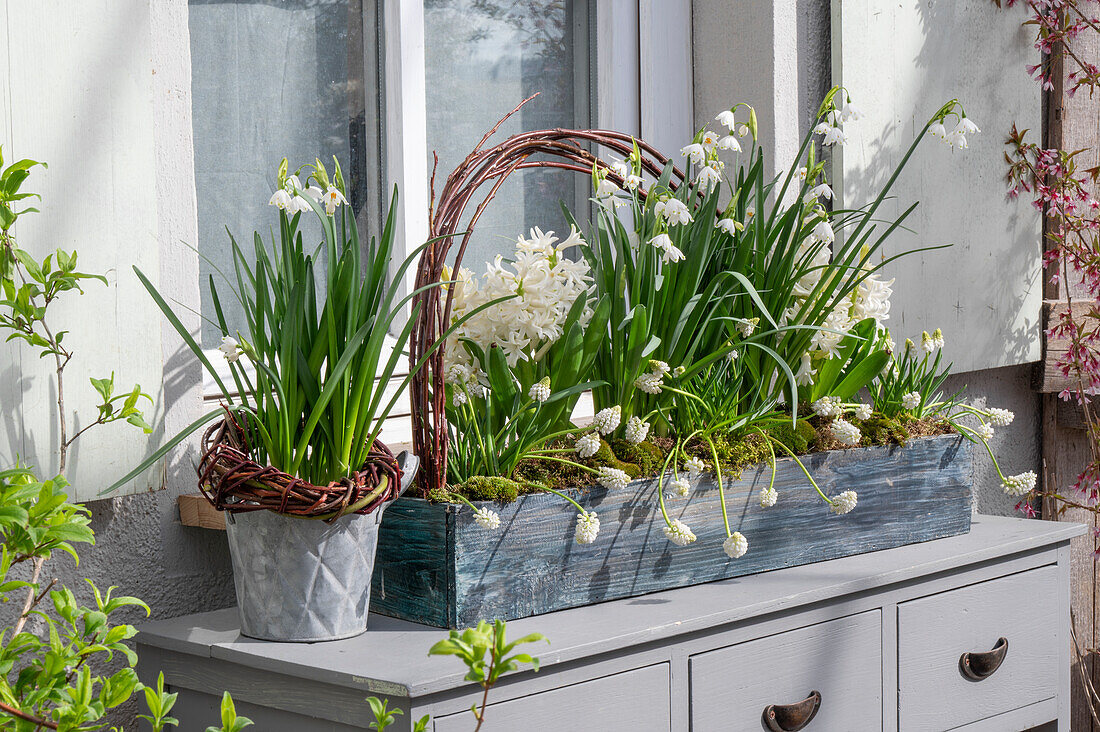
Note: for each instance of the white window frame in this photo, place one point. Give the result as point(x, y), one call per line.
point(642, 64)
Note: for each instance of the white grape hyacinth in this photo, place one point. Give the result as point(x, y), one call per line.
point(540, 391)
point(678, 533)
point(863, 412)
point(636, 430)
point(679, 487)
point(695, 467)
point(588, 528)
point(827, 407)
point(649, 383)
point(588, 445)
point(911, 400)
point(1000, 417)
point(1018, 485)
point(768, 497)
point(984, 431)
point(458, 397)
point(607, 420)
point(843, 503)
point(735, 545)
point(612, 478)
point(845, 432)
point(487, 519)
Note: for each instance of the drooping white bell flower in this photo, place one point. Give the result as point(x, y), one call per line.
point(333, 199)
point(230, 349)
point(694, 152)
point(280, 199)
point(726, 118)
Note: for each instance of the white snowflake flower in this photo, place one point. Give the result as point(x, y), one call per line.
point(674, 211)
point(607, 420)
point(845, 432)
point(822, 233)
point(487, 519)
point(863, 412)
point(633, 181)
point(620, 167)
point(844, 502)
point(938, 131)
point(280, 199)
point(729, 142)
point(612, 478)
point(911, 400)
point(540, 391)
point(695, 467)
point(670, 253)
point(588, 528)
point(230, 349)
point(636, 430)
point(708, 177)
point(694, 152)
point(678, 533)
point(679, 487)
point(736, 545)
point(727, 225)
point(726, 118)
point(588, 445)
point(968, 127)
point(333, 198)
point(768, 497)
point(1018, 485)
point(1000, 417)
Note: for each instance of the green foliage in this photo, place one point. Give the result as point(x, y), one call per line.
point(159, 704)
point(915, 371)
point(485, 651)
point(230, 721)
point(492, 430)
point(317, 398)
point(861, 356)
point(383, 716)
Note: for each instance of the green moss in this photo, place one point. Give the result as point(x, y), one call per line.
point(883, 430)
point(486, 488)
point(646, 457)
point(799, 438)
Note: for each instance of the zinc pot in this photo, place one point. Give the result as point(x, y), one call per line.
point(303, 580)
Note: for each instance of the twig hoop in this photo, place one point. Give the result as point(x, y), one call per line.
point(233, 482)
point(556, 148)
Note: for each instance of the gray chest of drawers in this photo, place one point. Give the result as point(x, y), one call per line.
point(879, 639)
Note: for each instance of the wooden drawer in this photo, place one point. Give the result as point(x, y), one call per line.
point(934, 632)
point(842, 659)
point(635, 700)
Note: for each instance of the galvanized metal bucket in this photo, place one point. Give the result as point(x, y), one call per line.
point(301, 580)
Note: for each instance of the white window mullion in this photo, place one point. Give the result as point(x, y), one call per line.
point(618, 105)
point(667, 96)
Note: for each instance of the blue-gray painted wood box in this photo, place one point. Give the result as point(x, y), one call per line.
point(435, 565)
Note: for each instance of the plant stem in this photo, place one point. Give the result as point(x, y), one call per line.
point(32, 591)
point(39, 721)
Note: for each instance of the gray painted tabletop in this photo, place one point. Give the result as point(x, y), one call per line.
point(391, 657)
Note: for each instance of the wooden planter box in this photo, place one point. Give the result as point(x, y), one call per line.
point(436, 566)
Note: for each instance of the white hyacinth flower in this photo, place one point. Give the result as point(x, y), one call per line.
point(280, 199)
point(487, 519)
point(735, 545)
point(937, 337)
point(726, 118)
point(843, 503)
point(768, 497)
point(607, 420)
point(333, 198)
point(727, 225)
point(636, 430)
point(679, 487)
point(230, 349)
point(612, 478)
point(1018, 485)
point(540, 391)
point(588, 528)
point(984, 431)
point(649, 383)
point(1000, 417)
point(695, 467)
point(458, 397)
point(863, 412)
point(588, 445)
point(911, 400)
point(826, 407)
point(678, 533)
point(845, 432)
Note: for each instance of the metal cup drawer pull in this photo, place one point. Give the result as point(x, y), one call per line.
point(792, 717)
point(980, 666)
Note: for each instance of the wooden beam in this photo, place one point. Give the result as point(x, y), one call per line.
point(197, 511)
point(1050, 379)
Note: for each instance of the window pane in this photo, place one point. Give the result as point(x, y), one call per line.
point(482, 58)
point(271, 80)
